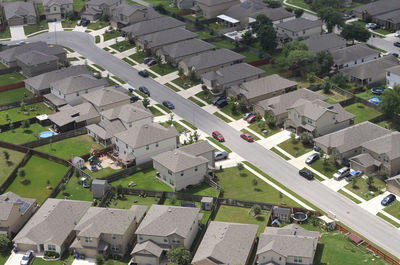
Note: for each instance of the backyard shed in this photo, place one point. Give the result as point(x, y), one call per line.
point(99, 188)
point(283, 214)
point(79, 162)
point(206, 203)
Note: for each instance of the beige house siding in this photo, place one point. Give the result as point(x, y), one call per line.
point(393, 187)
point(33, 70)
point(16, 220)
point(144, 258)
point(215, 10)
point(15, 21)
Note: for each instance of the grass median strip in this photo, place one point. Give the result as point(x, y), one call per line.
point(128, 61)
point(387, 219)
point(156, 112)
point(189, 124)
point(276, 151)
point(98, 67)
point(196, 101)
point(119, 79)
point(163, 108)
point(219, 144)
point(222, 117)
point(140, 93)
point(349, 196)
point(172, 87)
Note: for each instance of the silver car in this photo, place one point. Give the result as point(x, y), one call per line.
point(220, 155)
point(28, 258)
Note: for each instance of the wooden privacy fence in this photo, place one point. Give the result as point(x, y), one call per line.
point(12, 86)
point(55, 138)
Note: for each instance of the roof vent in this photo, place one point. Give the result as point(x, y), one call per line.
point(169, 209)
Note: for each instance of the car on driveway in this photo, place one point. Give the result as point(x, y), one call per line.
point(216, 99)
point(28, 258)
point(397, 44)
point(221, 103)
point(134, 98)
point(251, 119)
point(248, 114)
point(220, 155)
point(341, 173)
point(388, 200)
point(312, 158)
point(377, 90)
point(143, 73)
point(397, 34)
point(371, 26)
point(144, 90)
point(151, 63)
point(147, 60)
point(218, 136)
point(247, 137)
point(306, 174)
point(353, 174)
point(168, 104)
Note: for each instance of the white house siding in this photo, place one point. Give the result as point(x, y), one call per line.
point(73, 98)
point(360, 60)
point(392, 79)
point(304, 34)
point(267, 257)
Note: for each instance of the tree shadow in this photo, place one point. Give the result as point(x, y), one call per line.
point(257, 189)
point(260, 218)
point(28, 131)
point(318, 254)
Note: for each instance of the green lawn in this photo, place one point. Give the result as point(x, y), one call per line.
point(223, 44)
point(222, 117)
point(66, 260)
point(276, 151)
point(349, 196)
point(75, 191)
point(276, 65)
point(362, 190)
point(130, 200)
point(191, 126)
point(389, 124)
point(295, 149)
point(328, 170)
point(122, 46)
point(228, 110)
point(240, 187)
point(393, 209)
point(138, 56)
point(128, 61)
point(11, 78)
point(5, 34)
point(67, 148)
point(7, 168)
point(145, 179)
point(72, 59)
point(241, 215)
point(99, 67)
point(203, 34)
point(299, 3)
point(203, 189)
point(68, 24)
point(174, 88)
point(196, 101)
point(111, 82)
point(333, 96)
point(177, 126)
point(163, 69)
point(29, 29)
point(14, 95)
point(16, 114)
point(387, 219)
point(21, 135)
point(163, 108)
point(156, 112)
point(119, 79)
point(220, 145)
point(111, 34)
point(258, 126)
point(4, 256)
point(207, 97)
point(185, 82)
point(255, 137)
point(78, 5)
point(250, 56)
point(40, 174)
point(164, 3)
point(102, 172)
point(376, 48)
point(362, 112)
point(97, 25)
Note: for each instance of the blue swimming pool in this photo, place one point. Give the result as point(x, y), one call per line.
point(46, 134)
point(375, 100)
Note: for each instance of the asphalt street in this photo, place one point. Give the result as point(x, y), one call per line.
point(370, 226)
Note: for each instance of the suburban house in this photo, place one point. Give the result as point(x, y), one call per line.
point(393, 76)
point(296, 28)
point(185, 166)
point(381, 155)
point(52, 227)
point(8, 57)
point(244, 13)
point(19, 13)
point(262, 88)
point(165, 227)
point(95, 8)
point(212, 8)
point(324, 42)
point(57, 9)
point(117, 120)
point(126, 14)
point(69, 90)
point(133, 31)
point(347, 143)
point(390, 20)
point(34, 63)
point(317, 117)
point(277, 106)
point(176, 52)
point(15, 211)
point(352, 55)
point(159, 39)
point(232, 75)
point(40, 84)
point(291, 244)
point(393, 185)
point(209, 61)
point(382, 11)
point(107, 231)
point(139, 144)
point(107, 98)
point(226, 243)
point(184, 4)
point(371, 72)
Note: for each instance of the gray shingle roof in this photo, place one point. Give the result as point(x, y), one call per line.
point(291, 240)
point(352, 137)
point(148, 246)
point(97, 221)
point(7, 202)
point(279, 104)
point(212, 58)
point(365, 160)
point(352, 53)
point(371, 68)
point(53, 222)
point(103, 2)
point(146, 134)
point(393, 17)
point(388, 144)
point(299, 24)
point(19, 9)
point(324, 42)
point(254, 8)
point(213, 2)
point(151, 26)
point(35, 57)
point(10, 54)
point(58, 2)
point(233, 73)
point(78, 83)
point(226, 243)
point(178, 161)
point(43, 81)
point(198, 148)
point(107, 129)
point(166, 37)
point(394, 69)
point(186, 48)
point(128, 112)
point(78, 113)
point(379, 7)
point(162, 220)
point(105, 96)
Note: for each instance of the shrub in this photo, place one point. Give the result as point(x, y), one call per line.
point(256, 209)
point(306, 139)
point(21, 172)
point(4, 243)
point(99, 259)
point(240, 166)
point(51, 255)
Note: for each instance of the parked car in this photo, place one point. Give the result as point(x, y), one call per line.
point(306, 174)
point(221, 103)
point(394, 54)
point(341, 173)
point(397, 44)
point(353, 174)
point(371, 26)
point(20, 42)
point(143, 73)
point(388, 200)
point(220, 155)
point(251, 119)
point(312, 158)
point(248, 114)
point(130, 89)
point(85, 22)
point(28, 258)
point(134, 98)
point(247, 137)
point(168, 104)
point(377, 90)
point(79, 22)
point(216, 99)
point(151, 63)
point(144, 90)
point(397, 34)
point(218, 136)
point(147, 60)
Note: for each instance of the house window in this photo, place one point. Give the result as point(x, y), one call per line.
point(126, 145)
point(171, 182)
point(77, 94)
point(113, 236)
point(388, 73)
point(182, 173)
point(166, 240)
point(195, 168)
point(140, 238)
point(102, 109)
point(51, 247)
point(164, 177)
point(115, 247)
point(169, 172)
point(88, 239)
point(386, 159)
point(298, 259)
point(156, 144)
point(102, 117)
point(176, 240)
point(309, 121)
point(147, 147)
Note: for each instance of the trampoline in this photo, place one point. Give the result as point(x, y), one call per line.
point(300, 216)
point(375, 100)
point(46, 134)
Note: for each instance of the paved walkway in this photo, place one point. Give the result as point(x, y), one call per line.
point(84, 262)
point(55, 26)
point(17, 32)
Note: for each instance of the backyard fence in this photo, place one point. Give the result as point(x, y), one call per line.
point(7, 182)
point(260, 62)
point(56, 138)
point(16, 104)
point(185, 12)
point(63, 180)
point(127, 172)
point(9, 71)
point(51, 158)
point(12, 86)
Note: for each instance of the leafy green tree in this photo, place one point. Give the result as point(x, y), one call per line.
point(274, 4)
point(339, 79)
point(261, 21)
point(248, 38)
point(370, 182)
point(326, 85)
point(331, 17)
point(352, 32)
point(318, 4)
point(306, 139)
point(179, 256)
point(99, 259)
point(146, 102)
point(291, 46)
point(6, 155)
point(354, 183)
point(25, 124)
point(256, 209)
point(267, 38)
point(391, 100)
point(4, 243)
point(21, 172)
point(161, 9)
point(298, 12)
point(323, 62)
point(299, 58)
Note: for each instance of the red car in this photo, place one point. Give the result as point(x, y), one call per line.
point(218, 136)
point(247, 137)
point(251, 119)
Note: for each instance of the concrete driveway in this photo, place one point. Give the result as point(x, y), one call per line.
point(374, 205)
point(84, 262)
point(17, 32)
point(14, 259)
point(55, 26)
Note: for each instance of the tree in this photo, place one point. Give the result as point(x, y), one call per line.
point(370, 182)
point(179, 256)
point(4, 243)
point(6, 155)
point(391, 100)
point(261, 21)
point(298, 12)
point(274, 4)
point(198, 24)
point(21, 172)
point(291, 46)
point(146, 102)
point(299, 59)
point(99, 259)
point(161, 9)
point(232, 103)
point(23, 106)
point(248, 38)
point(339, 79)
point(267, 38)
point(326, 85)
point(25, 124)
point(354, 183)
point(256, 209)
point(293, 138)
point(306, 139)
point(240, 166)
point(319, 4)
point(331, 17)
point(355, 32)
point(323, 62)
point(171, 119)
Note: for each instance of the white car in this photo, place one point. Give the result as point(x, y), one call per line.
point(341, 173)
point(371, 26)
point(28, 258)
point(397, 34)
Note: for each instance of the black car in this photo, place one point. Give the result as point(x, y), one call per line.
point(388, 200)
point(216, 99)
point(143, 73)
point(221, 103)
point(397, 44)
point(134, 99)
point(377, 90)
point(85, 22)
point(144, 90)
point(130, 89)
point(306, 174)
point(168, 104)
point(395, 54)
point(312, 158)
